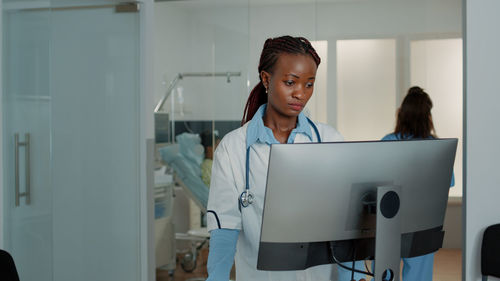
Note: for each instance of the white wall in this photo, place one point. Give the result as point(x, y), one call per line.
point(1, 132)
point(195, 38)
point(437, 65)
point(482, 188)
point(453, 236)
point(366, 91)
point(316, 106)
point(337, 20)
point(236, 30)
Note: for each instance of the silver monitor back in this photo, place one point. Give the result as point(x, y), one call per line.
point(315, 191)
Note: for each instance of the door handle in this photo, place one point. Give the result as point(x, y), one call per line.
point(26, 144)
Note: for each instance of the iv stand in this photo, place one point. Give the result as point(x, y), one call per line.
point(180, 76)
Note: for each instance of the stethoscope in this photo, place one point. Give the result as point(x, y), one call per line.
point(246, 197)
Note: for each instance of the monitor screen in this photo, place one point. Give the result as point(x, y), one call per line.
point(320, 192)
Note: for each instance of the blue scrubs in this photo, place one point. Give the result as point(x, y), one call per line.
point(417, 268)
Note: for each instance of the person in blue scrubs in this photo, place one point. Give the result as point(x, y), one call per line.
point(414, 121)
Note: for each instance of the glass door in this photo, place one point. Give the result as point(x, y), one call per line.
point(71, 141)
point(26, 109)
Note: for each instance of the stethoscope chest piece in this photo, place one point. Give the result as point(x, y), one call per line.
point(246, 198)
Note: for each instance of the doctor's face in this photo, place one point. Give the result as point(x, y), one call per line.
point(290, 85)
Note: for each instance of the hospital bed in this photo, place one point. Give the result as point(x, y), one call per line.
point(184, 159)
point(164, 232)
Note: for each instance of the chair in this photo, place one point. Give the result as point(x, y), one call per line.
point(8, 270)
point(490, 249)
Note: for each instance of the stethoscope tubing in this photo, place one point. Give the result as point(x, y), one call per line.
point(246, 197)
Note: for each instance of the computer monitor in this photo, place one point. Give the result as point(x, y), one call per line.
point(317, 193)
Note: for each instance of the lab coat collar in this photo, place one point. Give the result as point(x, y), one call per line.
point(257, 132)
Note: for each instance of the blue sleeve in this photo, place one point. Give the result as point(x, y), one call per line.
point(221, 253)
point(390, 137)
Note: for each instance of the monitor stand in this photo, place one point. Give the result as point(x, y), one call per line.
point(388, 233)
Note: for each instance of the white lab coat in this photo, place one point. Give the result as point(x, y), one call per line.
point(228, 182)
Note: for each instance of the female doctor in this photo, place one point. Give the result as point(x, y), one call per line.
point(273, 114)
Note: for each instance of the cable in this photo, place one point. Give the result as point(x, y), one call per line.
point(372, 274)
point(353, 261)
point(353, 267)
point(186, 125)
point(345, 267)
point(366, 267)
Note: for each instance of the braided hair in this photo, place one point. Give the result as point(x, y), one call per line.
point(273, 48)
point(414, 115)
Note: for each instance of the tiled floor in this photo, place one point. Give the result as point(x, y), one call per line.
point(447, 267)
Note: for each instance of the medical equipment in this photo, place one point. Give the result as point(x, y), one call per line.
point(173, 83)
point(184, 158)
point(164, 233)
point(246, 197)
point(180, 76)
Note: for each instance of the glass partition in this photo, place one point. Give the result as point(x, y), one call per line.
point(356, 79)
point(202, 68)
point(26, 139)
point(71, 140)
point(372, 52)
